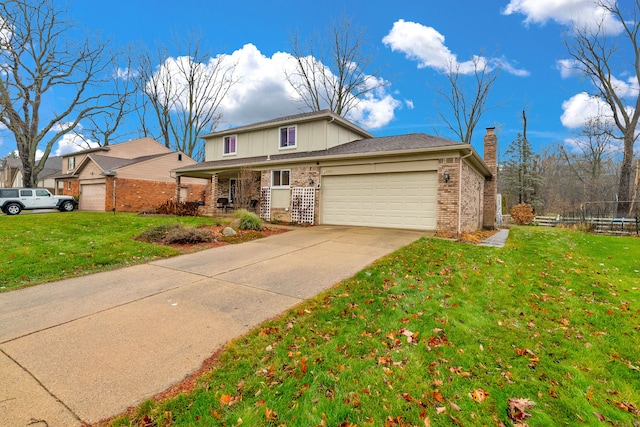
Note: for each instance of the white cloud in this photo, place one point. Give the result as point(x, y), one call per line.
point(63, 126)
point(263, 92)
point(125, 73)
point(427, 46)
point(72, 142)
point(626, 89)
point(582, 107)
point(569, 68)
point(572, 13)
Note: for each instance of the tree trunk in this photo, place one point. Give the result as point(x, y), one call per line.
point(625, 176)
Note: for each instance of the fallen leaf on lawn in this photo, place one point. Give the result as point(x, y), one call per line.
point(479, 395)
point(454, 406)
point(599, 416)
point(225, 399)
point(627, 407)
point(270, 414)
point(440, 410)
point(518, 407)
point(438, 396)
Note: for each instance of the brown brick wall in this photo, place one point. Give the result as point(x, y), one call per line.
point(447, 215)
point(75, 188)
point(132, 195)
point(471, 200)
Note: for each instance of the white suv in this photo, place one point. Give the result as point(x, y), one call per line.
point(14, 200)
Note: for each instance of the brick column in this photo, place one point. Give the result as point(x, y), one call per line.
point(214, 189)
point(490, 184)
point(448, 198)
point(177, 195)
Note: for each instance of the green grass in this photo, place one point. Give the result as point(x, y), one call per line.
point(38, 248)
point(554, 317)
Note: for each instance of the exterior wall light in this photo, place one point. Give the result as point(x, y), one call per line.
point(446, 176)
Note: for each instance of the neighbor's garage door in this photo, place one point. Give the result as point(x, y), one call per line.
point(92, 197)
point(393, 200)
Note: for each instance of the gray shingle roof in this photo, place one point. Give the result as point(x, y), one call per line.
point(388, 144)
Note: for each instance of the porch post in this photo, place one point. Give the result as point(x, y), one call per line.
point(214, 189)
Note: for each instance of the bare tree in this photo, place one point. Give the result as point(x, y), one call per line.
point(104, 128)
point(594, 146)
point(185, 93)
point(38, 57)
point(466, 105)
point(597, 56)
point(334, 71)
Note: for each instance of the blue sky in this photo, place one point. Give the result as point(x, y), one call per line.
point(411, 41)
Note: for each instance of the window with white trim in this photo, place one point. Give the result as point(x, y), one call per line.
point(280, 178)
point(288, 137)
point(230, 145)
point(71, 163)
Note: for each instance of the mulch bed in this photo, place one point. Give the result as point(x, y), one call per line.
point(222, 240)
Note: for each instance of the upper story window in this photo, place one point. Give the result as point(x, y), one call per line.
point(280, 178)
point(288, 137)
point(71, 163)
point(229, 145)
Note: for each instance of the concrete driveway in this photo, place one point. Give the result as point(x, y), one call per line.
point(81, 350)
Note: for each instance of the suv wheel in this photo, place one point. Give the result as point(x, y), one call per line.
point(12, 209)
point(67, 206)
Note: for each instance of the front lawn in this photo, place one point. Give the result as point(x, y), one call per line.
point(42, 247)
point(545, 331)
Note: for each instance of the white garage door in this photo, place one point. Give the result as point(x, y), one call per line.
point(92, 197)
point(393, 200)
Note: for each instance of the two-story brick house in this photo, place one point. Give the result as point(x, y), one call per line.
point(319, 168)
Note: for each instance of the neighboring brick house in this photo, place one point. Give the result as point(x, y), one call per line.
point(131, 176)
point(11, 173)
point(319, 168)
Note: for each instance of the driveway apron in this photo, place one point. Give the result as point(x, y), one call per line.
point(81, 350)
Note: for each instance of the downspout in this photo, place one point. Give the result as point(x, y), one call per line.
point(326, 137)
point(460, 188)
point(114, 195)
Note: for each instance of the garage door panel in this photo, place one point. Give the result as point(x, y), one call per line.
point(398, 200)
point(92, 197)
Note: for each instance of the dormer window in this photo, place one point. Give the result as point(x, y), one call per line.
point(288, 137)
point(229, 145)
point(71, 163)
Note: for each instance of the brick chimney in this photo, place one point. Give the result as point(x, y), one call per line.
point(490, 183)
